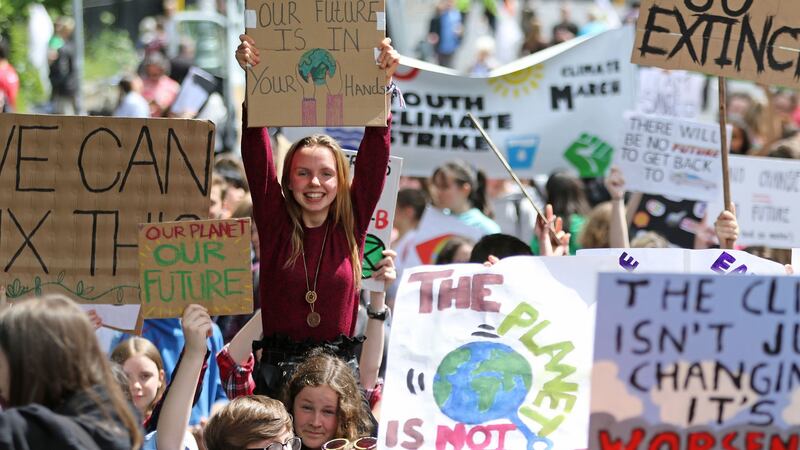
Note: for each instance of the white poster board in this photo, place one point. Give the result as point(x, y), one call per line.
point(694, 362)
point(678, 260)
point(670, 156)
point(766, 192)
point(479, 360)
point(379, 233)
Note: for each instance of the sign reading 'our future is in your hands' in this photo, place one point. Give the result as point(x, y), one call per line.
point(317, 63)
point(754, 40)
point(202, 261)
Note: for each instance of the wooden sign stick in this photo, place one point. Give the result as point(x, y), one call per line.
point(502, 159)
point(723, 133)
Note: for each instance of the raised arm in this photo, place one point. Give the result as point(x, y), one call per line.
point(618, 227)
point(372, 351)
point(177, 407)
point(373, 153)
point(236, 359)
point(257, 153)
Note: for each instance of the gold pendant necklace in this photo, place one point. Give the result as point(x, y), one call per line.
point(313, 318)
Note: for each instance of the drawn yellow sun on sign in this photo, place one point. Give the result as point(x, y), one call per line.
point(520, 82)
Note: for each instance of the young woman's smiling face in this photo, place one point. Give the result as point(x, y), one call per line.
point(315, 412)
point(313, 181)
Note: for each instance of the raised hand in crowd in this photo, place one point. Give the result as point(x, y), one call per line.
point(177, 408)
point(547, 246)
point(95, 318)
point(618, 226)
point(377, 313)
point(727, 228)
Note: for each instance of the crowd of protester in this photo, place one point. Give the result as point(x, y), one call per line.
point(305, 378)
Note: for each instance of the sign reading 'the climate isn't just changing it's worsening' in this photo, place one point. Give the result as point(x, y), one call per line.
point(696, 362)
point(317, 63)
point(199, 261)
point(489, 363)
point(754, 40)
point(669, 156)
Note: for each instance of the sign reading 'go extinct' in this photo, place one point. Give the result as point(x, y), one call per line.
point(205, 262)
point(753, 40)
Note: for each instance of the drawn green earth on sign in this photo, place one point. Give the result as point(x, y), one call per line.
point(590, 155)
point(318, 63)
point(483, 381)
point(373, 253)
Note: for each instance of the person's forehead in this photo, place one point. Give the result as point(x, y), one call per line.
point(314, 155)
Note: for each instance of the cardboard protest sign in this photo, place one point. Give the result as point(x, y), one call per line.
point(379, 233)
point(677, 260)
point(675, 219)
point(201, 261)
point(479, 360)
point(676, 157)
point(693, 361)
point(72, 191)
point(317, 63)
point(557, 109)
point(674, 93)
point(765, 191)
point(753, 40)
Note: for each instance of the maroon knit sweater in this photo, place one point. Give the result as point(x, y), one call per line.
point(283, 305)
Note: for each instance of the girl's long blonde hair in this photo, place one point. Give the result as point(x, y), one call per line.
point(342, 205)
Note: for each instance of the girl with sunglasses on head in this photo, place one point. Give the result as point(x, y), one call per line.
point(313, 224)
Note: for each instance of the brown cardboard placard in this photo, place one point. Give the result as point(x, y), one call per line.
point(72, 191)
point(746, 39)
point(200, 261)
point(317, 65)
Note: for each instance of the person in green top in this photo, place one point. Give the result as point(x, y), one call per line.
point(566, 194)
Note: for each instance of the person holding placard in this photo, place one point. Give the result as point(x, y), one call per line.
point(312, 227)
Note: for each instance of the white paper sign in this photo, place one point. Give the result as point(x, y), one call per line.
point(669, 156)
point(379, 233)
point(478, 359)
point(674, 93)
point(678, 260)
point(766, 192)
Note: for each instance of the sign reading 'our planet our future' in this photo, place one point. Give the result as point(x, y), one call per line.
point(203, 261)
point(318, 63)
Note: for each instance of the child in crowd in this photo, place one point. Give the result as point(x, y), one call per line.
point(461, 190)
point(65, 396)
point(142, 364)
point(251, 422)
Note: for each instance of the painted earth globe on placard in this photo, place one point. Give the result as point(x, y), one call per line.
point(318, 63)
point(481, 381)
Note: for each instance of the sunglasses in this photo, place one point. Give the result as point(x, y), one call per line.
point(290, 444)
point(364, 443)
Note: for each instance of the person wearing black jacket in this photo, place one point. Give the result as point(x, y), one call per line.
point(56, 386)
